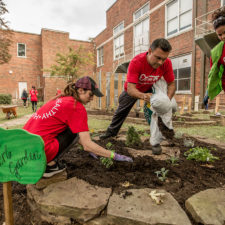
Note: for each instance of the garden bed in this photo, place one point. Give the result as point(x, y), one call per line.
point(185, 178)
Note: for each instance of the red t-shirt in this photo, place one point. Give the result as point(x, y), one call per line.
point(33, 95)
point(221, 61)
point(144, 76)
point(53, 118)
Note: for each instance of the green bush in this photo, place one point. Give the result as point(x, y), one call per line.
point(5, 99)
point(133, 138)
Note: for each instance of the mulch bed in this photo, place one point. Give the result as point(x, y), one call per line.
point(183, 180)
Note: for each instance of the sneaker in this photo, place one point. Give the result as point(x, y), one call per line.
point(106, 135)
point(52, 170)
point(156, 149)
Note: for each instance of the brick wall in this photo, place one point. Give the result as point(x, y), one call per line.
point(41, 53)
point(22, 69)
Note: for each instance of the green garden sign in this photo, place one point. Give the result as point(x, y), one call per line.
point(22, 156)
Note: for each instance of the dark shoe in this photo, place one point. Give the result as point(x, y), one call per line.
point(156, 149)
point(106, 135)
point(52, 170)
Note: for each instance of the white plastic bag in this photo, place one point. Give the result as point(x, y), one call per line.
point(161, 106)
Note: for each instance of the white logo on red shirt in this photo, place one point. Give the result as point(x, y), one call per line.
point(224, 59)
point(148, 79)
point(50, 112)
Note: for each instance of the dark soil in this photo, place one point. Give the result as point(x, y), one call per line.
point(184, 179)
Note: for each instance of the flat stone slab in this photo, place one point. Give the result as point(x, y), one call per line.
point(73, 198)
point(167, 153)
point(208, 207)
point(138, 208)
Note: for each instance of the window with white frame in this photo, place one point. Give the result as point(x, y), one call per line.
point(21, 50)
point(100, 56)
point(118, 41)
point(182, 72)
point(222, 2)
point(179, 16)
point(141, 37)
point(142, 11)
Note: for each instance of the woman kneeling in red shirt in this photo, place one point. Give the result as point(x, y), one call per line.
point(63, 121)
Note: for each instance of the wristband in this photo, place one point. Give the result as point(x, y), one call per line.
point(112, 155)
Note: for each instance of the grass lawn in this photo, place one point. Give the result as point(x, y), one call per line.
point(95, 125)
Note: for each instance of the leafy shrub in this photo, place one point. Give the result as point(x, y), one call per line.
point(5, 99)
point(202, 154)
point(132, 138)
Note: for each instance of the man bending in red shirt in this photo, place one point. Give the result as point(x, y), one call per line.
point(144, 70)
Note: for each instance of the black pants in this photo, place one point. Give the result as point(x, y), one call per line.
point(24, 102)
point(34, 106)
point(65, 139)
point(126, 102)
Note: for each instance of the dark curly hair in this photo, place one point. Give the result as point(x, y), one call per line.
point(218, 17)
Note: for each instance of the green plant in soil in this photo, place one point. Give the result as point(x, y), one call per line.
point(132, 138)
point(201, 154)
point(161, 174)
point(174, 160)
point(107, 162)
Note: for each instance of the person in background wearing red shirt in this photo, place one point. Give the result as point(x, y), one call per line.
point(144, 70)
point(58, 91)
point(33, 98)
point(62, 122)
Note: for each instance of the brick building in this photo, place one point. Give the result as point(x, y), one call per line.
point(133, 25)
point(130, 28)
point(31, 54)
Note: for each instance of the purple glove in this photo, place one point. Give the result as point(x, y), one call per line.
point(93, 155)
point(119, 157)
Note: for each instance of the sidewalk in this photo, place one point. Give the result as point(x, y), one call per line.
point(15, 122)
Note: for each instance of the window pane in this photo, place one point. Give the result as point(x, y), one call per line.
point(145, 9)
point(185, 72)
point(138, 29)
point(174, 63)
point(186, 20)
point(145, 25)
point(185, 5)
point(137, 14)
point(184, 61)
point(223, 2)
point(184, 85)
point(172, 26)
point(21, 50)
point(172, 10)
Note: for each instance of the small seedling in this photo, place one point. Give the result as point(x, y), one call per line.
point(201, 154)
point(107, 162)
point(161, 174)
point(174, 160)
point(132, 138)
point(109, 145)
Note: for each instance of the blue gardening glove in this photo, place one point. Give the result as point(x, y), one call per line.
point(119, 157)
point(93, 155)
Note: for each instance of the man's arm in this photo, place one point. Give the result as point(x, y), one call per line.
point(171, 89)
point(134, 92)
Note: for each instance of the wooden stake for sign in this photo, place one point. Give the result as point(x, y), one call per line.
point(217, 104)
point(7, 194)
point(182, 106)
point(189, 104)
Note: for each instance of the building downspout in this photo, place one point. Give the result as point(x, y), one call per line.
point(203, 62)
point(193, 71)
